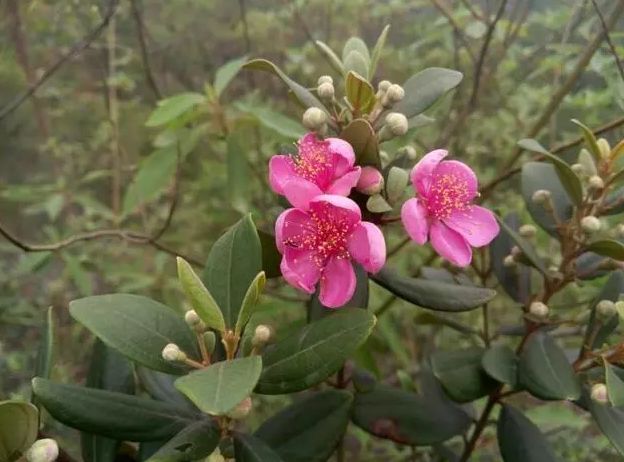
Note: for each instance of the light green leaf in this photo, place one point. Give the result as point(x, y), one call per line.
point(397, 182)
point(377, 50)
point(238, 174)
point(249, 302)
point(171, 108)
point(226, 73)
point(19, 424)
point(273, 120)
point(331, 56)
point(425, 88)
point(590, 140)
point(359, 92)
point(356, 44)
point(377, 204)
point(356, 62)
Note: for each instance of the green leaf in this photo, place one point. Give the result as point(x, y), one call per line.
point(46, 347)
point(114, 415)
point(356, 62)
point(226, 73)
point(273, 120)
point(539, 175)
point(314, 352)
point(435, 295)
point(136, 326)
point(396, 184)
point(408, 418)
point(233, 263)
point(461, 374)
point(171, 108)
point(501, 363)
point(19, 424)
point(360, 134)
point(610, 420)
point(251, 449)
point(308, 430)
point(316, 310)
point(527, 249)
point(199, 297)
point(359, 92)
point(305, 97)
point(615, 385)
point(160, 386)
point(377, 204)
point(568, 178)
point(217, 389)
point(545, 371)
point(607, 248)
point(238, 175)
point(195, 442)
point(377, 50)
point(331, 56)
point(250, 301)
point(590, 140)
point(520, 440)
point(356, 44)
point(425, 88)
point(154, 175)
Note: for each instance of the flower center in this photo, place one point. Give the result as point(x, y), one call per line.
point(448, 193)
point(314, 163)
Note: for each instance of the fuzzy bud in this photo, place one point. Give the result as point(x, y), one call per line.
point(44, 450)
point(394, 94)
point(261, 336)
point(172, 353)
point(509, 261)
point(595, 182)
point(370, 182)
point(579, 169)
point(326, 91)
point(590, 224)
point(516, 252)
point(241, 410)
point(539, 309)
point(397, 123)
point(605, 149)
point(527, 231)
point(325, 79)
point(599, 393)
point(605, 309)
point(314, 119)
point(191, 318)
point(383, 86)
point(541, 196)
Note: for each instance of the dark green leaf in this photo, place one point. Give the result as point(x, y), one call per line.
point(310, 429)
point(226, 73)
point(234, 261)
point(527, 249)
point(607, 248)
point(545, 371)
point(171, 108)
point(136, 326)
point(218, 388)
point(360, 134)
point(160, 386)
point(114, 415)
point(251, 449)
point(377, 50)
point(520, 440)
point(313, 353)
point(501, 363)
point(195, 442)
point(271, 257)
point(610, 420)
point(19, 424)
point(615, 385)
point(434, 295)
point(611, 290)
point(359, 92)
point(425, 88)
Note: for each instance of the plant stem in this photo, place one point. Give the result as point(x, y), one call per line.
point(481, 423)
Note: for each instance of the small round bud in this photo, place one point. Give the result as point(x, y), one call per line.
point(397, 123)
point(599, 393)
point(579, 169)
point(371, 181)
point(383, 86)
point(541, 196)
point(538, 309)
point(192, 318)
point(172, 353)
point(595, 182)
point(516, 252)
point(395, 93)
point(509, 261)
point(241, 410)
point(325, 91)
point(314, 118)
point(605, 149)
point(44, 450)
point(410, 152)
point(261, 336)
point(590, 224)
point(325, 79)
point(527, 231)
point(605, 309)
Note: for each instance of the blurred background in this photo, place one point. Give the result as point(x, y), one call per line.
point(76, 156)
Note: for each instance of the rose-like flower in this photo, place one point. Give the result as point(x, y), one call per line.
point(318, 246)
point(443, 209)
point(320, 167)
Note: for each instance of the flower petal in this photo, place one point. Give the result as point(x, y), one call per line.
point(415, 220)
point(344, 156)
point(343, 185)
point(337, 283)
point(290, 225)
point(476, 224)
point(422, 171)
point(299, 269)
point(338, 207)
point(450, 244)
point(280, 171)
point(300, 192)
point(368, 247)
point(460, 175)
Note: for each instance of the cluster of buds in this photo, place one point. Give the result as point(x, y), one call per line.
point(389, 93)
point(395, 125)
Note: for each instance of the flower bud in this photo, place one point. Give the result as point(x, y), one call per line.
point(261, 336)
point(599, 393)
point(172, 353)
point(527, 231)
point(595, 182)
point(516, 252)
point(371, 181)
point(541, 196)
point(241, 410)
point(44, 450)
point(605, 309)
point(579, 169)
point(326, 91)
point(384, 157)
point(410, 152)
point(509, 261)
point(397, 123)
point(325, 79)
point(314, 119)
point(383, 86)
point(590, 224)
point(394, 94)
point(210, 340)
point(539, 309)
point(605, 149)
point(192, 318)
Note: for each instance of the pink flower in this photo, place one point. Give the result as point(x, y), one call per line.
point(443, 210)
point(320, 243)
point(320, 167)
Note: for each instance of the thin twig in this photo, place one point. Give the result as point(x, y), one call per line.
point(458, 30)
point(49, 72)
point(605, 29)
point(147, 67)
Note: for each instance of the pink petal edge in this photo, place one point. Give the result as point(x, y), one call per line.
point(450, 244)
point(337, 283)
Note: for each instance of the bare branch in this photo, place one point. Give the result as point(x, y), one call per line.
point(605, 29)
point(147, 67)
point(456, 28)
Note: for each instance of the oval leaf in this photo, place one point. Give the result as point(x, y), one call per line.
point(251, 449)
point(425, 88)
point(376, 54)
point(610, 420)
point(359, 92)
point(607, 248)
point(615, 385)
point(226, 73)
point(195, 442)
point(171, 108)
point(501, 363)
point(249, 302)
point(520, 440)
point(19, 424)
point(360, 134)
point(590, 140)
point(331, 56)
